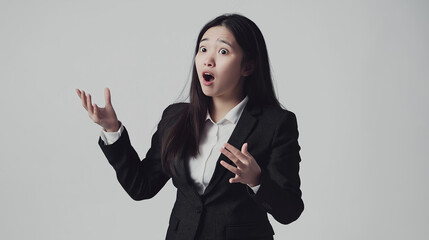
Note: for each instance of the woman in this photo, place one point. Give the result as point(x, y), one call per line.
point(232, 152)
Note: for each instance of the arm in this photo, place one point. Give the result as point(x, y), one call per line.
point(279, 191)
point(140, 179)
point(278, 181)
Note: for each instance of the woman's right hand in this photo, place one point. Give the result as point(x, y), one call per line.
point(105, 117)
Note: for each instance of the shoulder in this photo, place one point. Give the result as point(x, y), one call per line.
point(172, 114)
point(175, 108)
point(276, 122)
point(274, 114)
point(282, 124)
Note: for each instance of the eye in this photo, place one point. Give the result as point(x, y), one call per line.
point(203, 49)
point(223, 51)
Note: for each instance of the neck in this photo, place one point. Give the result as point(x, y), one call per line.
point(220, 107)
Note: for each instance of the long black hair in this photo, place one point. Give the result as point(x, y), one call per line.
point(183, 136)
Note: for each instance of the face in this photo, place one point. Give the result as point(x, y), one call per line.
point(219, 64)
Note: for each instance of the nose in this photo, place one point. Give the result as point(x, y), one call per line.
point(209, 60)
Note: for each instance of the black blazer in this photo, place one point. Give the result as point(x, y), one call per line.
point(225, 210)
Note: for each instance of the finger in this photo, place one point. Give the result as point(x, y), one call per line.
point(79, 93)
point(235, 151)
point(83, 98)
point(232, 157)
point(89, 104)
point(230, 167)
point(107, 96)
point(229, 154)
point(244, 150)
point(235, 180)
point(95, 107)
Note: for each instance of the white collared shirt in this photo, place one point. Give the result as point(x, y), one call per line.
point(214, 135)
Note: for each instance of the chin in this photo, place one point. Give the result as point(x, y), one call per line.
point(208, 94)
point(206, 91)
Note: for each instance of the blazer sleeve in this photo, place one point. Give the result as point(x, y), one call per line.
point(280, 193)
point(140, 179)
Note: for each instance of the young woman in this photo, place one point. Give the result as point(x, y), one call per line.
point(232, 151)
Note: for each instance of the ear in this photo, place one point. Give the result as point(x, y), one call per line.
point(247, 68)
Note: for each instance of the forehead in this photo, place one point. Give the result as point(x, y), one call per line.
point(219, 33)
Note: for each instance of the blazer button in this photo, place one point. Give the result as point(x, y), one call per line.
point(199, 209)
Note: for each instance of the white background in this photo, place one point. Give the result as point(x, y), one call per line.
point(354, 72)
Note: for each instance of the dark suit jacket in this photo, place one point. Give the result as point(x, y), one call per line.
point(225, 210)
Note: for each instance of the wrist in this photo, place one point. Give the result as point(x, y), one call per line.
point(254, 184)
point(257, 181)
point(114, 128)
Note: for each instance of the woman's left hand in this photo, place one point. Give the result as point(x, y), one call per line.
point(247, 170)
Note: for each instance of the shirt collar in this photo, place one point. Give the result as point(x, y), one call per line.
point(234, 114)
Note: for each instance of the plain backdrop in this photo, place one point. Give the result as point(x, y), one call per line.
point(354, 72)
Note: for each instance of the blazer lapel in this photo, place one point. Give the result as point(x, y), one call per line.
point(244, 127)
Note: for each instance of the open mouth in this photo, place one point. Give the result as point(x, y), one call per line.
point(208, 77)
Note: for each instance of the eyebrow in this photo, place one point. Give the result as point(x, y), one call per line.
point(219, 40)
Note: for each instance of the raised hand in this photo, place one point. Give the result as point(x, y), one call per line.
point(105, 117)
point(247, 170)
